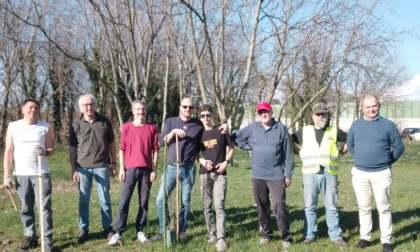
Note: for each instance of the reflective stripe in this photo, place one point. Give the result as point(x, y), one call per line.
point(314, 155)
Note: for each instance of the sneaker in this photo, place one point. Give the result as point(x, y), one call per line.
point(157, 237)
point(286, 246)
point(108, 233)
point(212, 239)
point(221, 245)
point(306, 241)
point(341, 243)
point(142, 237)
point(362, 244)
point(48, 247)
point(264, 240)
point(115, 240)
point(183, 236)
point(83, 236)
point(29, 243)
point(386, 247)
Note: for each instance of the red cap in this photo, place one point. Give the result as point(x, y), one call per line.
point(264, 106)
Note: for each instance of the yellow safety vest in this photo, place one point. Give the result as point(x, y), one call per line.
point(314, 155)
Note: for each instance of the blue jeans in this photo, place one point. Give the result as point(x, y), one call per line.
point(313, 184)
point(187, 177)
point(28, 190)
point(101, 175)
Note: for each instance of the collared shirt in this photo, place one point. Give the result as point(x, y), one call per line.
point(272, 156)
point(92, 141)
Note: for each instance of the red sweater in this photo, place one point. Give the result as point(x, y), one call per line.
point(138, 144)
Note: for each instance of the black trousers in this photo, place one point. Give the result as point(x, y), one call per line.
point(262, 189)
point(133, 176)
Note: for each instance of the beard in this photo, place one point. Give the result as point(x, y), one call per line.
point(321, 123)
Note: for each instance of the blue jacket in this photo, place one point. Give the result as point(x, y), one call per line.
point(272, 156)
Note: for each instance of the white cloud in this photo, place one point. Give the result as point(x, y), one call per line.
point(410, 91)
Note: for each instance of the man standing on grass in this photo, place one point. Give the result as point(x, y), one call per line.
point(319, 156)
point(138, 159)
point(272, 166)
point(92, 155)
point(213, 176)
point(188, 130)
point(26, 139)
point(375, 144)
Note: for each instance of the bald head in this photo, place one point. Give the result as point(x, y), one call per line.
point(371, 106)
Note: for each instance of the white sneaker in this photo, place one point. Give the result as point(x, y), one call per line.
point(221, 245)
point(211, 239)
point(115, 240)
point(142, 237)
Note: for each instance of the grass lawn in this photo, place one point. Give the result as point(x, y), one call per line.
point(242, 222)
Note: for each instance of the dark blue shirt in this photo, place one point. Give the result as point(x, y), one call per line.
point(189, 145)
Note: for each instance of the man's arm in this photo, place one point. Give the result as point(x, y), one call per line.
point(397, 145)
point(73, 157)
point(289, 160)
point(8, 158)
point(239, 138)
point(122, 166)
point(112, 152)
point(49, 142)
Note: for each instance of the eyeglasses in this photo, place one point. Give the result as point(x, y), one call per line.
point(88, 104)
point(205, 115)
point(321, 114)
point(189, 107)
point(263, 112)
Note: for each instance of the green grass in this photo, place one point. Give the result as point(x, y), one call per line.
point(242, 222)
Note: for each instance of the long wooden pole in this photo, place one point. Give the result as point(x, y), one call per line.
point(41, 205)
point(177, 187)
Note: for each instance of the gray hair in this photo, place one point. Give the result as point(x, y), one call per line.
point(83, 96)
point(138, 102)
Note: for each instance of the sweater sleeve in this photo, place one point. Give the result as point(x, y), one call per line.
point(290, 158)
point(239, 137)
point(350, 140)
point(397, 145)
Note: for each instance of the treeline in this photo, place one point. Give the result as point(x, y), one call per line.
point(228, 53)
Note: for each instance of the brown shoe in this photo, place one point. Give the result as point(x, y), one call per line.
point(306, 241)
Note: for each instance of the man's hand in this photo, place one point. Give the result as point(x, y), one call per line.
point(152, 176)
point(287, 182)
point(179, 132)
point(7, 181)
point(221, 167)
point(122, 175)
point(224, 129)
point(113, 170)
point(76, 178)
point(40, 151)
point(208, 165)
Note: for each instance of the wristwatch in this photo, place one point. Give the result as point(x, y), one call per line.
point(228, 161)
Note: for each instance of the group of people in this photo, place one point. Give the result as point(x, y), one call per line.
point(373, 141)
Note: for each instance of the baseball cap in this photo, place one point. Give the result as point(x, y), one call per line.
point(319, 108)
point(264, 106)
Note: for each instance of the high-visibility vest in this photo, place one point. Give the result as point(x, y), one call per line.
point(314, 155)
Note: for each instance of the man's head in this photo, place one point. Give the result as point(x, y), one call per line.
point(30, 108)
point(139, 110)
point(371, 106)
point(87, 104)
point(206, 114)
point(320, 115)
point(186, 108)
point(264, 112)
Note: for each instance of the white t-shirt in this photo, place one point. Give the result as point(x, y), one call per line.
point(25, 138)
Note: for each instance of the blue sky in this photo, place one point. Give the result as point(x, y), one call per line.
point(407, 15)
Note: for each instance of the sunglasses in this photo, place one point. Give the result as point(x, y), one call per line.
point(205, 115)
point(263, 111)
point(189, 107)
